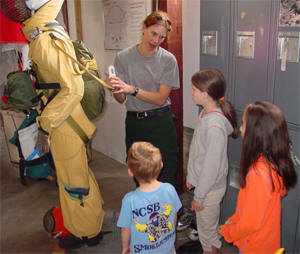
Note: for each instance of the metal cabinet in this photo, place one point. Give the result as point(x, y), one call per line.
point(215, 37)
point(260, 61)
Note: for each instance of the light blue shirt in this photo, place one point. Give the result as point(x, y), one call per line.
point(150, 217)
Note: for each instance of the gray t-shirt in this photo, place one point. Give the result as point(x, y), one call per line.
point(146, 73)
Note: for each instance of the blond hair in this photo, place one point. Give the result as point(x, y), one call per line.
point(145, 161)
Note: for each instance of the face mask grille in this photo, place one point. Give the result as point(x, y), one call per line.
point(49, 221)
point(15, 10)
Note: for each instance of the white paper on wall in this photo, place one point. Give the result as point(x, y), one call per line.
point(123, 22)
point(115, 24)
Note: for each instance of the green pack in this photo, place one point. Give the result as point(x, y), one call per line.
point(20, 88)
point(38, 168)
point(93, 100)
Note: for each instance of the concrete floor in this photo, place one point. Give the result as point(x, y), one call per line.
point(23, 207)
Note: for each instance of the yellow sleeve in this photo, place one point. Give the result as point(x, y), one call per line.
point(55, 66)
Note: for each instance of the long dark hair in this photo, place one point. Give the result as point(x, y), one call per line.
point(213, 82)
point(266, 135)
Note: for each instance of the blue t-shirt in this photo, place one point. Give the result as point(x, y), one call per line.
point(150, 217)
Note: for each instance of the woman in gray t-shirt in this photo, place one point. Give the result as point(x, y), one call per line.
point(146, 74)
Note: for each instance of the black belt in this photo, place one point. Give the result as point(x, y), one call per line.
point(149, 113)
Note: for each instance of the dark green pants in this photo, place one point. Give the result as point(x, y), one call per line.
point(160, 131)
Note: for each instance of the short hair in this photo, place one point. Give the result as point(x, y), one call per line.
point(144, 160)
point(160, 18)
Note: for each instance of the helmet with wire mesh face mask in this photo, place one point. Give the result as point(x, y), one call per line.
point(15, 10)
point(54, 223)
point(20, 10)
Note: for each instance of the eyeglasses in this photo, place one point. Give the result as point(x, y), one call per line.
point(163, 18)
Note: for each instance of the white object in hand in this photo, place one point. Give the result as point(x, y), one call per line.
point(111, 71)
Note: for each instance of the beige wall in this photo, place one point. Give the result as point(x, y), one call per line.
point(191, 57)
point(110, 136)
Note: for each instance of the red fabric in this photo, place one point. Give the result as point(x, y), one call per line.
point(59, 229)
point(10, 32)
point(4, 99)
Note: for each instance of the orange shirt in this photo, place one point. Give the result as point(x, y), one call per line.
point(255, 224)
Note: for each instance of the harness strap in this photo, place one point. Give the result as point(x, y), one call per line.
point(70, 120)
point(85, 66)
point(37, 161)
point(47, 86)
point(85, 69)
point(51, 97)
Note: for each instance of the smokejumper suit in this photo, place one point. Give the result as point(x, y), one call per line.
point(83, 218)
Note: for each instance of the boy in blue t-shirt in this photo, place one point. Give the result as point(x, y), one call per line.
point(148, 214)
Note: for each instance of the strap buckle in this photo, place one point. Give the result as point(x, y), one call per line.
point(141, 115)
point(36, 32)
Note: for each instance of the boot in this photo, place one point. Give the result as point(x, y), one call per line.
point(70, 242)
point(94, 240)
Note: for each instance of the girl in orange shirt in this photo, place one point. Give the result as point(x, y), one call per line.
point(267, 172)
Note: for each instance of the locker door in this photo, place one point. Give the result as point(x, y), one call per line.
point(251, 51)
point(287, 81)
point(291, 205)
point(214, 32)
point(247, 54)
point(286, 95)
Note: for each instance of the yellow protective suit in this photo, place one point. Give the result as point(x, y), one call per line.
point(82, 219)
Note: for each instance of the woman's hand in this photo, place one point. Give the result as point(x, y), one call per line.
point(118, 95)
point(196, 206)
point(120, 86)
point(107, 79)
point(189, 186)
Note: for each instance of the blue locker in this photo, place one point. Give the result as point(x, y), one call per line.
point(253, 52)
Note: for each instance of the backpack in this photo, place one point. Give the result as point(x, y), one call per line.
point(20, 87)
point(19, 90)
point(32, 164)
point(93, 100)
